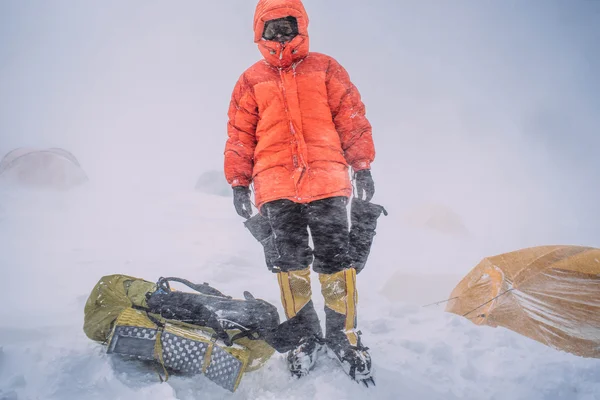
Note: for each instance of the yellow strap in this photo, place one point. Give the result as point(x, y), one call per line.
point(207, 355)
point(351, 300)
point(158, 353)
point(287, 299)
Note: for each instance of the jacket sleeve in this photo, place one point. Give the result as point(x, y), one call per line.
point(348, 112)
point(241, 131)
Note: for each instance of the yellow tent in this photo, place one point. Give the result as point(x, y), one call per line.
point(550, 294)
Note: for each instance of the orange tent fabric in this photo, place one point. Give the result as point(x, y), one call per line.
point(550, 294)
point(296, 121)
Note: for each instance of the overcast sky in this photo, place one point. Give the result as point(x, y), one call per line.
point(490, 108)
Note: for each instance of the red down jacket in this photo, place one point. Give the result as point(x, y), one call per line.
point(296, 121)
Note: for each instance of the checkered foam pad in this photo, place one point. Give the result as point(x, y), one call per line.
point(134, 331)
point(179, 353)
point(133, 341)
point(182, 354)
point(224, 368)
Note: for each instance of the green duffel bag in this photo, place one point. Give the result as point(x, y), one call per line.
point(110, 297)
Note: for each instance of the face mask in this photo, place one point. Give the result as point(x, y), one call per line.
point(281, 30)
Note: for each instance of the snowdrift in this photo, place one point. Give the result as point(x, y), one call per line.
point(42, 168)
point(70, 240)
point(550, 294)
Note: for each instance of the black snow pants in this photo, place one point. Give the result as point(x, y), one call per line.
point(327, 220)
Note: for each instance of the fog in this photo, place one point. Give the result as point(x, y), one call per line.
point(485, 110)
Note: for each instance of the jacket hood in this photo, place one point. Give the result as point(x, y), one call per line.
point(278, 55)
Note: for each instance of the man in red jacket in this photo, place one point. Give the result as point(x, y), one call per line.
point(296, 126)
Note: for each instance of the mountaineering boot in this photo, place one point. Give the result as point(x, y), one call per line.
point(342, 338)
point(302, 359)
point(303, 323)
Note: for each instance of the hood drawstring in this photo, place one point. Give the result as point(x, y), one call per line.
point(282, 49)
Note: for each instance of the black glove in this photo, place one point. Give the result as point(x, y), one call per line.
point(364, 182)
point(241, 201)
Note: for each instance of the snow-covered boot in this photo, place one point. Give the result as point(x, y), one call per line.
point(354, 359)
point(342, 338)
point(303, 323)
point(303, 358)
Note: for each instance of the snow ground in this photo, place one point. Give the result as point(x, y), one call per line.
point(54, 248)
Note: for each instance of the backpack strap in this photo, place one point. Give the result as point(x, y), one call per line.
point(204, 288)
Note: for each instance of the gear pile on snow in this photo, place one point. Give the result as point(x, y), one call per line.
point(194, 333)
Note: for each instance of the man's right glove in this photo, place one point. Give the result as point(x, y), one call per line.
point(364, 183)
point(241, 201)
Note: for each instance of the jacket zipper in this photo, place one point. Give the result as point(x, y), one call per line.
point(287, 113)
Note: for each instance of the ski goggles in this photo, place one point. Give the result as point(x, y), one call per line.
point(281, 30)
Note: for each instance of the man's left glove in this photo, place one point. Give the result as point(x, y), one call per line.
point(241, 201)
point(364, 183)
